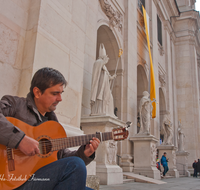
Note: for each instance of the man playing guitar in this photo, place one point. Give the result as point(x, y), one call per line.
point(69, 171)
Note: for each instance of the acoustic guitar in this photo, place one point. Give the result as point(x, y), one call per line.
point(16, 168)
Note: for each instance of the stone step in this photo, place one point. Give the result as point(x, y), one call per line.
point(128, 180)
point(183, 175)
point(143, 179)
point(167, 177)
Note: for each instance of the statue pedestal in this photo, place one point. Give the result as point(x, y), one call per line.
point(106, 168)
point(182, 163)
point(171, 154)
point(126, 163)
point(145, 155)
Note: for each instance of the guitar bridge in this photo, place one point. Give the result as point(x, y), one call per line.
point(11, 162)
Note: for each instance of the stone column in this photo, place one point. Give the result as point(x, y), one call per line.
point(145, 155)
point(171, 154)
point(106, 167)
point(182, 163)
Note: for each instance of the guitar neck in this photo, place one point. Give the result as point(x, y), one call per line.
point(69, 142)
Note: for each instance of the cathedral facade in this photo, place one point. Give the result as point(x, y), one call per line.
point(66, 35)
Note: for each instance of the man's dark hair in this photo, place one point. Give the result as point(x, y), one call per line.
point(45, 78)
point(165, 153)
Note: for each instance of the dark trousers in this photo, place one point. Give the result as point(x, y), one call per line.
point(195, 173)
point(165, 170)
point(64, 174)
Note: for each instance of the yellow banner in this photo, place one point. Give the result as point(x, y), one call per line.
point(152, 78)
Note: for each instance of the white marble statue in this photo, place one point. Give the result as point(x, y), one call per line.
point(168, 130)
point(180, 137)
point(101, 97)
point(145, 111)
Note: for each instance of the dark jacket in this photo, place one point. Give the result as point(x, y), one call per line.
point(198, 166)
point(25, 110)
point(194, 165)
point(164, 161)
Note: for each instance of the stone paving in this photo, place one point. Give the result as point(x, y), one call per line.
point(183, 183)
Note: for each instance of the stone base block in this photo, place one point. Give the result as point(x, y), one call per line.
point(107, 169)
point(182, 163)
point(91, 168)
point(171, 156)
point(173, 172)
point(109, 174)
point(126, 163)
point(145, 155)
point(92, 182)
point(152, 172)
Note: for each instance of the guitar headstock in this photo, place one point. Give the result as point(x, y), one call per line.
point(120, 133)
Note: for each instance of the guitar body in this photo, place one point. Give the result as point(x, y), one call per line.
point(17, 170)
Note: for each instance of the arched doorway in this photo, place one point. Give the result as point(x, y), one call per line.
point(106, 36)
point(142, 85)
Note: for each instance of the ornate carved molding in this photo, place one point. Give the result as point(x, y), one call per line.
point(162, 80)
point(161, 50)
point(153, 154)
point(115, 17)
point(198, 62)
point(140, 60)
point(174, 158)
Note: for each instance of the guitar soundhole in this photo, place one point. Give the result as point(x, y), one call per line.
point(45, 146)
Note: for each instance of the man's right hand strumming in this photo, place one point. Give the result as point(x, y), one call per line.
point(29, 146)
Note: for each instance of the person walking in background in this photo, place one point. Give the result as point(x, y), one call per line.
point(194, 165)
point(164, 163)
point(198, 166)
point(158, 164)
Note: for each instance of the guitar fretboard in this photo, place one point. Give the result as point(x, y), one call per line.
point(68, 142)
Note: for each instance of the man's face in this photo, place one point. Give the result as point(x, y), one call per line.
point(48, 101)
point(165, 155)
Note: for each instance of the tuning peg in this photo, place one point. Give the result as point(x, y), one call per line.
point(128, 123)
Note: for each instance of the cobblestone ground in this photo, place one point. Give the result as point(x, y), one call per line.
point(183, 183)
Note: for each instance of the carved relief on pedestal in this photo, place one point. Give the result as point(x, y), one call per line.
point(115, 17)
point(174, 158)
point(162, 80)
point(111, 152)
point(161, 50)
point(186, 159)
point(153, 154)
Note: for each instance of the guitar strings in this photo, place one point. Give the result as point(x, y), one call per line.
point(75, 141)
